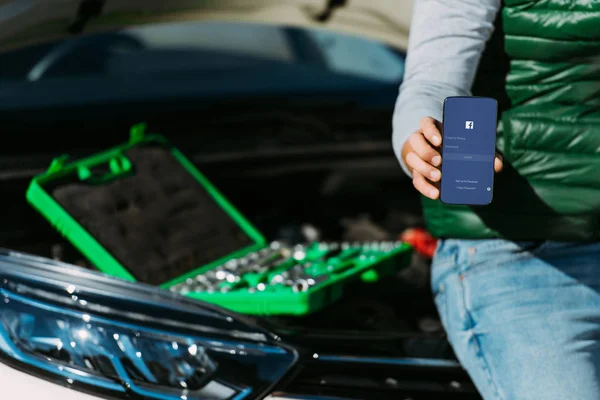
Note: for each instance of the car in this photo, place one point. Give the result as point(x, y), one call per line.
point(286, 106)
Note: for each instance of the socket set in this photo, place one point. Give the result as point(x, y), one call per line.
point(284, 279)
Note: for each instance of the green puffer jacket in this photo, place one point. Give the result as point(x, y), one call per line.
point(543, 66)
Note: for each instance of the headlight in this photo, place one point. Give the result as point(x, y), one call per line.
point(115, 338)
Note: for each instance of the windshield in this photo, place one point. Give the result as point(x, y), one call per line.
point(201, 48)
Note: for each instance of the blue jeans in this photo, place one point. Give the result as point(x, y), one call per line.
point(522, 318)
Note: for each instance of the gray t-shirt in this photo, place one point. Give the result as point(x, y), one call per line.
point(445, 45)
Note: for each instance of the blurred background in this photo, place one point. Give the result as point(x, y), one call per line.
point(285, 106)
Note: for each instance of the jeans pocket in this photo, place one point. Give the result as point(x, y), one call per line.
point(443, 263)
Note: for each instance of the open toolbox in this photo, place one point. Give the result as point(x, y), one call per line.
point(141, 211)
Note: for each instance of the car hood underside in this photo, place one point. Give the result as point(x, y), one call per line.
point(32, 21)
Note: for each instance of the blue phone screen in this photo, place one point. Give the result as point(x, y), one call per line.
point(468, 149)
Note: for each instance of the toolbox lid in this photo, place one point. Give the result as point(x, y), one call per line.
point(143, 212)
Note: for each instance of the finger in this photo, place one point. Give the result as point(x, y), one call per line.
point(430, 130)
point(498, 163)
point(422, 167)
point(423, 149)
point(424, 187)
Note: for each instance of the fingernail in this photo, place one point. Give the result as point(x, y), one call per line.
point(436, 139)
point(433, 193)
point(435, 174)
point(436, 160)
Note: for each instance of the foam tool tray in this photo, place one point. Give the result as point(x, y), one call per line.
point(142, 212)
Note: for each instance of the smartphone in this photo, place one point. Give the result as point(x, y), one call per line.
point(468, 150)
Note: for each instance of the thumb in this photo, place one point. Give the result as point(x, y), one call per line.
point(498, 163)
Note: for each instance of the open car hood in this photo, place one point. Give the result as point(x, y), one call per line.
point(27, 22)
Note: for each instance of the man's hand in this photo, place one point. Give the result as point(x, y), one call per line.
point(422, 157)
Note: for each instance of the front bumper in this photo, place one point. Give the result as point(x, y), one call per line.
point(418, 379)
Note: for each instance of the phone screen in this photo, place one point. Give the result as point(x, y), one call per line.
point(468, 150)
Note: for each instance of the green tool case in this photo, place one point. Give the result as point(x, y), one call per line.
point(142, 212)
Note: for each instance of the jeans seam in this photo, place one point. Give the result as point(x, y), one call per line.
point(479, 355)
point(440, 300)
point(447, 269)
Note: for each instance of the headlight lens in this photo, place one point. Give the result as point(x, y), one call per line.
point(97, 333)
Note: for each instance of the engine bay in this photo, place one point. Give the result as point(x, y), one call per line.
point(334, 205)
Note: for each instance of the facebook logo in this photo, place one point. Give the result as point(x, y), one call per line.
point(468, 124)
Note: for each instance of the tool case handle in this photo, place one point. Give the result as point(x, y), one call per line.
point(116, 167)
point(99, 171)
